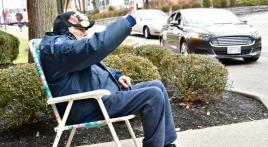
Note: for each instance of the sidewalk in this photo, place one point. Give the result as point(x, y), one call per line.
point(247, 134)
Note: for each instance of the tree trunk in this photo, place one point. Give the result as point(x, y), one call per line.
point(60, 5)
point(146, 4)
point(41, 14)
point(94, 5)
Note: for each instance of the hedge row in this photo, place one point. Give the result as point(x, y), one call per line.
point(216, 4)
point(197, 78)
point(107, 14)
point(9, 47)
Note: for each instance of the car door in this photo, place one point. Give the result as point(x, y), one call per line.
point(139, 24)
point(167, 36)
point(175, 32)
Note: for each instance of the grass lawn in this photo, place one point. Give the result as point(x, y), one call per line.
point(23, 38)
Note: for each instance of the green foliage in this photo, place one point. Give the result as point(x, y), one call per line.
point(223, 3)
point(197, 77)
point(176, 7)
point(111, 8)
point(206, 3)
point(232, 3)
point(263, 2)
point(125, 49)
point(252, 2)
point(139, 69)
point(154, 53)
point(216, 3)
point(165, 8)
point(21, 95)
point(9, 47)
point(110, 13)
point(196, 5)
point(186, 5)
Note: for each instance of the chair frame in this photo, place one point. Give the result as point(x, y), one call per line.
point(34, 45)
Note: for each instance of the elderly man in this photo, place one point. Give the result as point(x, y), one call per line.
point(72, 64)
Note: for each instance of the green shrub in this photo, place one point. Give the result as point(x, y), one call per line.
point(206, 3)
point(186, 5)
point(263, 2)
point(21, 95)
point(111, 8)
point(216, 3)
point(125, 49)
point(232, 3)
point(9, 47)
point(248, 2)
point(196, 5)
point(107, 14)
point(154, 53)
point(223, 3)
point(139, 69)
point(197, 77)
point(165, 8)
point(176, 7)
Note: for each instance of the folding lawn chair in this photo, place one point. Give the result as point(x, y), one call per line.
point(97, 94)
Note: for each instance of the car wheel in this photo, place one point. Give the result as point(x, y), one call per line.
point(146, 32)
point(251, 59)
point(184, 49)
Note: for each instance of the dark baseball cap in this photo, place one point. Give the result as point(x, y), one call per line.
point(72, 19)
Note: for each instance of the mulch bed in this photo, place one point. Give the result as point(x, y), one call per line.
point(227, 109)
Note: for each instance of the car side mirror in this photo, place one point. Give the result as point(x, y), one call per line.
point(174, 23)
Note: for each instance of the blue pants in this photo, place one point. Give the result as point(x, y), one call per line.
point(151, 101)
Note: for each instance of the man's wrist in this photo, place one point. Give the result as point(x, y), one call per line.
point(131, 20)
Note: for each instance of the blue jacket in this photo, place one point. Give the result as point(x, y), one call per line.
point(74, 66)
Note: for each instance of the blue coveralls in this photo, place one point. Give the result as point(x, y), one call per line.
point(74, 66)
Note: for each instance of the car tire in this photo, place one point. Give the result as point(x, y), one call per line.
point(251, 59)
point(184, 49)
point(146, 32)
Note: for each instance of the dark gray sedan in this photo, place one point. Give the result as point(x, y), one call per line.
point(216, 32)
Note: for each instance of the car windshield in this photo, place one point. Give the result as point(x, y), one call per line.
point(206, 17)
point(153, 15)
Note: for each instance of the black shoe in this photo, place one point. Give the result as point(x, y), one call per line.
point(170, 145)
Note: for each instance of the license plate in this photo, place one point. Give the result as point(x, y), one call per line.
point(234, 50)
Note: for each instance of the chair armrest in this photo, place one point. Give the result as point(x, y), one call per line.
point(96, 94)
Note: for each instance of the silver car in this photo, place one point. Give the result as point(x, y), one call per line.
point(149, 22)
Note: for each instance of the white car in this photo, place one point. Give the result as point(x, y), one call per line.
point(149, 22)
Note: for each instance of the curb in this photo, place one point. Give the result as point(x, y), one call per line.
point(260, 97)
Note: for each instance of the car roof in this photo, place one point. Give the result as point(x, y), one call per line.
point(148, 10)
point(200, 9)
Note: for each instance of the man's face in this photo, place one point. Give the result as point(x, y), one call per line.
point(79, 33)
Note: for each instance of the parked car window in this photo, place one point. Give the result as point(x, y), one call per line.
point(171, 17)
point(153, 15)
point(205, 17)
point(178, 17)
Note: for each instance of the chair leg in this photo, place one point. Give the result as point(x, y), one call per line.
point(115, 137)
point(70, 137)
point(132, 133)
point(110, 125)
point(57, 138)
